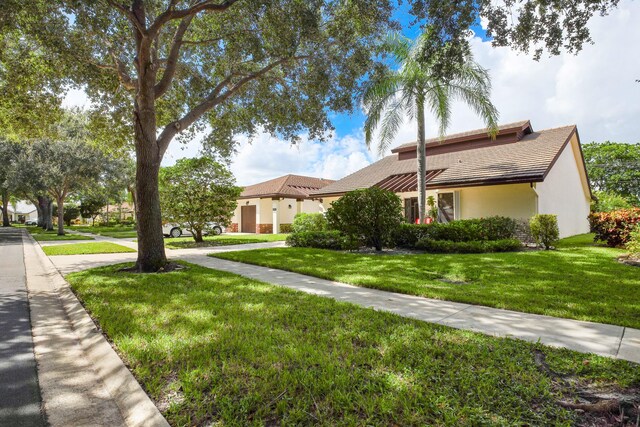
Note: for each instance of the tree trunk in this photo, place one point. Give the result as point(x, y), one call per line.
point(38, 206)
point(151, 255)
point(47, 211)
point(60, 216)
point(5, 209)
point(197, 236)
point(50, 214)
point(422, 162)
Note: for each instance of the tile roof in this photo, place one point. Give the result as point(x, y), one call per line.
point(290, 186)
point(527, 160)
point(482, 132)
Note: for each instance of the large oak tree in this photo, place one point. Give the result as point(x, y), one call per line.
point(173, 68)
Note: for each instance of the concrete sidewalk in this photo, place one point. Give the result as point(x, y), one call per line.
point(20, 401)
point(82, 380)
point(588, 337)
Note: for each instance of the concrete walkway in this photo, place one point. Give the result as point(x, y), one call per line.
point(588, 337)
point(20, 402)
point(81, 379)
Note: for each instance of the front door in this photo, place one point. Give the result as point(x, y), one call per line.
point(248, 219)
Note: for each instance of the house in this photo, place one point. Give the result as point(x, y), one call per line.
point(270, 206)
point(518, 174)
point(22, 212)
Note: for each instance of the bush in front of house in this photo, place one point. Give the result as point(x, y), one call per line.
point(304, 222)
point(286, 228)
point(468, 247)
point(633, 245)
point(368, 217)
point(614, 227)
point(544, 229)
point(331, 239)
point(466, 230)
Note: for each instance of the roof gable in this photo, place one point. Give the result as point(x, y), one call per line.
point(290, 186)
point(526, 160)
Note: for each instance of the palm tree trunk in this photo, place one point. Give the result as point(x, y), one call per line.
point(422, 161)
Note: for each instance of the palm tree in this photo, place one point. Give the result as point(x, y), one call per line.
point(420, 82)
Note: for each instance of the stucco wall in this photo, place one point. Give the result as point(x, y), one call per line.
point(264, 209)
point(564, 192)
point(326, 202)
point(511, 200)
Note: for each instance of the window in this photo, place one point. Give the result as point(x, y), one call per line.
point(446, 207)
point(411, 209)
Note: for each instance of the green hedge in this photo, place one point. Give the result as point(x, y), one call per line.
point(469, 247)
point(318, 239)
point(304, 222)
point(467, 230)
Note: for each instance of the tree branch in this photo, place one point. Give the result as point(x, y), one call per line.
point(126, 80)
point(172, 61)
point(171, 13)
point(213, 99)
point(129, 14)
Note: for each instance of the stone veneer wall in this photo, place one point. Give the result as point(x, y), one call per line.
point(264, 228)
point(233, 227)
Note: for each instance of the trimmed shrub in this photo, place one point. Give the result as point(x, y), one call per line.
point(286, 228)
point(614, 227)
point(466, 230)
point(469, 247)
point(304, 222)
point(544, 229)
point(368, 217)
point(407, 235)
point(317, 239)
point(633, 245)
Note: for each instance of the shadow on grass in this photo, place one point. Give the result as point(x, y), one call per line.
point(212, 346)
point(579, 280)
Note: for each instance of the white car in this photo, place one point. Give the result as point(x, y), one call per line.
point(175, 230)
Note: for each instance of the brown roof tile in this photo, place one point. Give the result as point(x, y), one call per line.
point(526, 160)
point(291, 186)
point(481, 133)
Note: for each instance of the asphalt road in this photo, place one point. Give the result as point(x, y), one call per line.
point(20, 401)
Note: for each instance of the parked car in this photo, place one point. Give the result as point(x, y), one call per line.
point(175, 230)
point(31, 222)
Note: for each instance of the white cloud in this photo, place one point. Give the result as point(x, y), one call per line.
point(266, 157)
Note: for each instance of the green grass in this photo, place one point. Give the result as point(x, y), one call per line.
point(222, 240)
point(119, 232)
point(86, 248)
point(580, 280)
point(45, 236)
point(214, 348)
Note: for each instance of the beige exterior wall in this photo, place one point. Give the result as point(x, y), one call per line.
point(283, 214)
point(511, 200)
point(565, 192)
point(326, 202)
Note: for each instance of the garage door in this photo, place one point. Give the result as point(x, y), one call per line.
point(248, 218)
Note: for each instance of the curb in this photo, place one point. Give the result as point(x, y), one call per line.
point(134, 404)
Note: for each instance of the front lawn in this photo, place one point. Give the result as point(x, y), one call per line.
point(214, 348)
point(45, 236)
point(86, 248)
point(119, 231)
point(580, 280)
point(222, 240)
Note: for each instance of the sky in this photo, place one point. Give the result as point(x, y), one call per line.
point(596, 90)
